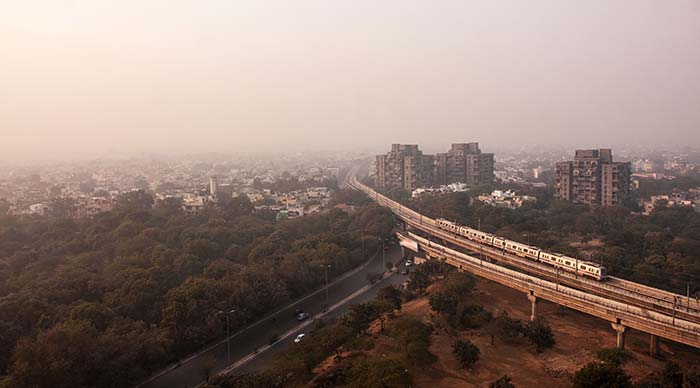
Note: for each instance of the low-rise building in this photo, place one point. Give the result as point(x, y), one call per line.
point(88, 207)
point(669, 201)
point(507, 199)
point(443, 189)
point(195, 204)
point(39, 209)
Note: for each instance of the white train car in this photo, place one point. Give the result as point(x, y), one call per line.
point(550, 258)
point(447, 225)
point(478, 236)
point(566, 263)
point(570, 264)
point(593, 270)
point(522, 250)
point(498, 242)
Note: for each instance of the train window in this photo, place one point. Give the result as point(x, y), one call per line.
point(568, 263)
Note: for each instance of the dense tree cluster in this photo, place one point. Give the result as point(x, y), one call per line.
point(453, 302)
point(413, 337)
point(107, 300)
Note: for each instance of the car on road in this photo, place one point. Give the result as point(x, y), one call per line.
point(299, 338)
point(404, 271)
point(302, 316)
point(409, 263)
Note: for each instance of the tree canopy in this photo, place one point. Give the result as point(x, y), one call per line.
point(105, 301)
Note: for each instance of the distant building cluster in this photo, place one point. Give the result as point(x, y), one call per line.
point(593, 178)
point(294, 204)
point(507, 199)
point(442, 189)
point(648, 165)
point(690, 198)
point(291, 186)
point(406, 167)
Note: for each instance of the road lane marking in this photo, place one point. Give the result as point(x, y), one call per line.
point(261, 320)
point(289, 333)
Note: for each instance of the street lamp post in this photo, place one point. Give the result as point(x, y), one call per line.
point(326, 267)
point(228, 336)
point(383, 257)
point(363, 241)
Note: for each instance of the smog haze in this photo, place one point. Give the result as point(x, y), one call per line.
point(90, 77)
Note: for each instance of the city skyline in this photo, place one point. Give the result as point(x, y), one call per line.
point(401, 193)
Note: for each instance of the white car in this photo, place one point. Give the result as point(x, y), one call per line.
point(409, 263)
point(299, 338)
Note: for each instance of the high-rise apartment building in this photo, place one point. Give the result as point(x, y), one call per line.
point(464, 163)
point(593, 178)
point(405, 166)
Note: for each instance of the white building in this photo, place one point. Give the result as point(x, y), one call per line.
point(506, 199)
point(669, 201)
point(39, 209)
point(451, 188)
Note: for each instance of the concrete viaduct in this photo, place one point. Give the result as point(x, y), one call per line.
point(624, 304)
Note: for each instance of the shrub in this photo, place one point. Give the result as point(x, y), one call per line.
point(614, 356)
point(599, 375)
point(540, 334)
point(466, 352)
point(472, 316)
point(506, 328)
point(503, 382)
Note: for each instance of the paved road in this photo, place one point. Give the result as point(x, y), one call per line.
point(191, 372)
point(351, 173)
point(264, 358)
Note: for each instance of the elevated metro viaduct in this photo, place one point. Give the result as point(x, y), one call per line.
point(621, 316)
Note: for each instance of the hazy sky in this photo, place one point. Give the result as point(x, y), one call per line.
point(78, 75)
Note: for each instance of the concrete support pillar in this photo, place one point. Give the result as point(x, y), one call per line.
point(533, 300)
point(653, 345)
point(620, 329)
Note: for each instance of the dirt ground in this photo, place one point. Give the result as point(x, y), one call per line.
point(578, 338)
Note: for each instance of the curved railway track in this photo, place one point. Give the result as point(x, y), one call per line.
point(624, 291)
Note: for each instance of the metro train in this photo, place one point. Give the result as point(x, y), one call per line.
point(566, 263)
